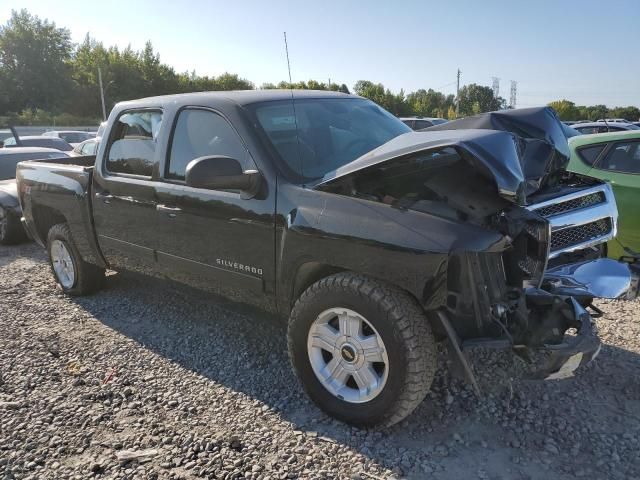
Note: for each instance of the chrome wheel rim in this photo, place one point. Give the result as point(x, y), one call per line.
point(63, 264)
point(347, 355)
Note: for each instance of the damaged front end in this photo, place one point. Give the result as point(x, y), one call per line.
point(506, 297)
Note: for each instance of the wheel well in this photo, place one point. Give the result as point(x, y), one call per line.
point(308, 274)
point(44, 218)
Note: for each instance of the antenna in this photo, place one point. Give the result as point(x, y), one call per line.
point(286, 49)
point(293, 105)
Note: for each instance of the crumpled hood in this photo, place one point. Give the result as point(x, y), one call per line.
point(521, 150)
point(542, 139)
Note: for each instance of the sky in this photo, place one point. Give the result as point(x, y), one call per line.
point(586, 51)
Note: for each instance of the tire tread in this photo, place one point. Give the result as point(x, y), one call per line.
point(409, 324)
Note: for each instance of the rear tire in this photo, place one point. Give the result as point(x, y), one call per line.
point(389, 342)
point(11, 230)
point(75, 276)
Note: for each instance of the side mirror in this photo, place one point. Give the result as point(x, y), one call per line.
point(219, 172)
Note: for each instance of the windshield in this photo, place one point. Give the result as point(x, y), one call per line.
point(331, 132)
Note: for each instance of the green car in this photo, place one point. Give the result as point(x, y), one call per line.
point(614, 157)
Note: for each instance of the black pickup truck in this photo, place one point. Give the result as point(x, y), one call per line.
point(374, 241)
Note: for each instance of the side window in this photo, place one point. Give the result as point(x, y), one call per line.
point(89, 148)
point(589, 154)
point(201, 133)
point(422, 124)
point(622, 157)
point(132, 147)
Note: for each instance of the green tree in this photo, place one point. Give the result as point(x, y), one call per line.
point(395, 103)
point(565, 109)
point(593, 112)
point(475, 98)
point(34, 60)
point(429, 103)
point(628, 113)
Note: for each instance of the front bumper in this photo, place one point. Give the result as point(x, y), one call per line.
point(565, 358)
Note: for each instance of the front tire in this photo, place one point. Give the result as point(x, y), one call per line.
point(75, 276)
point(363, 350)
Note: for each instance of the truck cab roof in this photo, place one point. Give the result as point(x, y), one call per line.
point(239, 97)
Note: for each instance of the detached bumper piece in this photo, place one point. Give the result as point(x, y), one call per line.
point(601, 278)
point(562, 352)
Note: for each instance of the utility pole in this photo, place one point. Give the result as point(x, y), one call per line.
point(104, 110)
point(458, 94)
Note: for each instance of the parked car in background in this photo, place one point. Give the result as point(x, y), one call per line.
point(101, 129)
point(604, 127)
point(613, 120)
point(418, 123)
point(72, 137)
point(637, 124)
point(573, 122)
point(11, 229)
point(88, 147)
point(6, 133)
point(614, 157)
point(39, 141)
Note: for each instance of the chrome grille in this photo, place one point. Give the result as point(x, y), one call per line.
point(580, 219)
point(571, 205)
point(569, 237)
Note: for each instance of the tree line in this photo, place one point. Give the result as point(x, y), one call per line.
point(47, 79)
point(570, 111)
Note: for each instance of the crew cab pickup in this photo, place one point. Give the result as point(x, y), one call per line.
point(374, 241)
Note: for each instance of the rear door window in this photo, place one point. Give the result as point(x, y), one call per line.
point(420, 124)
point(589, 154)
point(588, 130)
point(132, 148)
point(203, 133)
point(623, 157)
point(89, 148)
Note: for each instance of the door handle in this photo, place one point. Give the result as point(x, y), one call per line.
point(105, 197)
point(170, 211)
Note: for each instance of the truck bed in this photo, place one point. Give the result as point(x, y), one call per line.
point(82, 161)
point(59, 191)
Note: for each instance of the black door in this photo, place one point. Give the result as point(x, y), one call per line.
point(124, 202)
point(214, 239)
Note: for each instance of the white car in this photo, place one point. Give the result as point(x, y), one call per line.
point(88, 147)
point(72, 137)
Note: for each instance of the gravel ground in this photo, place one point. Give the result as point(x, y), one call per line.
point(149, 379)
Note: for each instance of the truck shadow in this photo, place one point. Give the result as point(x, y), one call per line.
point(244, 350)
